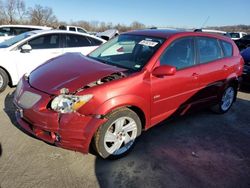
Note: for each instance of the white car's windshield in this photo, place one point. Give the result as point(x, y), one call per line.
point(128, 51)
point(15, 39)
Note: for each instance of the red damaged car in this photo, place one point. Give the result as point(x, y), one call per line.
point(127, 85)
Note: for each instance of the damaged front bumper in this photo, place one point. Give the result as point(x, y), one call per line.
point(72, 131)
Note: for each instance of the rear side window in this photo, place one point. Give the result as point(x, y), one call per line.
point(81, 30)
point(208, 49)
point(72, 29)
point(95, 42)
point(77, 41)
point(227, 48)
point(179, 54)
point(20, 30)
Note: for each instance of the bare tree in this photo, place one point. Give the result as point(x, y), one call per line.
point(137, 25)
point(2, 13)
point(42, 15)
point(21, 9)
point(11, 11)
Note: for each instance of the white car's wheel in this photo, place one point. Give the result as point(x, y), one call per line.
point(116, 137)
point(3, 80)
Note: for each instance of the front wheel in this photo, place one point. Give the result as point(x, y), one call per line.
point(116, 137)
point(226, 100)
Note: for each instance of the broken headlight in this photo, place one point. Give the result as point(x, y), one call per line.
point(69, 103)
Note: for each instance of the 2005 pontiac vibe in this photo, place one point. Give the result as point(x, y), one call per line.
point(127, 85)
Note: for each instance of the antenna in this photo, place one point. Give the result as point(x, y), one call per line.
point(204, 23)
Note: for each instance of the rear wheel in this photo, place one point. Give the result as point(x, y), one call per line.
point(116, 137)
point(226, 100)
point(3, 80)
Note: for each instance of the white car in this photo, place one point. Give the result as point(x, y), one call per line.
point(9, 31)
point(237, 35)
point(25, 52)
point(73, 28)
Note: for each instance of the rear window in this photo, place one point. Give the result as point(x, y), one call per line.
point(227, 48)
point(208, 49)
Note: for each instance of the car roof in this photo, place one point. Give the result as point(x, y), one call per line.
point(27, 26)
point(40, 32)
point(166, 33)
point(162, 33)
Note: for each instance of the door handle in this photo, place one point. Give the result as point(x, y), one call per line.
point(195, 76)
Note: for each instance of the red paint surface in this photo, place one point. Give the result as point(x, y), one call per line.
point(157, 97)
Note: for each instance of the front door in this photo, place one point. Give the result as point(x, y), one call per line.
point(170, 93)
point(43, 48)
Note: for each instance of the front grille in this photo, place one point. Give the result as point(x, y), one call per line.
point(28, 99)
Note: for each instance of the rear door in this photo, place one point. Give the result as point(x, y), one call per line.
point(215, 66)
point(171, 93)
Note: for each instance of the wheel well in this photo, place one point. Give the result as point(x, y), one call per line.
point(235, 85)
point(140, 113)
point(9, 77)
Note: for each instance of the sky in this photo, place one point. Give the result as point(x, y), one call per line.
point(160, 13)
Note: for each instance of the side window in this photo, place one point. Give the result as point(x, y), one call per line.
point(77, 41)
point(20, 30)
point(5, 31)
point(209, 49)
point(72, 29)
point(179, 54)
point(95, 42)
point(81, 30)
point(45, 42)
point(227, 48)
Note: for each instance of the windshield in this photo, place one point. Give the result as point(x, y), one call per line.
point(127, 51)
point(15, 39)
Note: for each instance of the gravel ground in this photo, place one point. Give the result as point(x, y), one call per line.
point(198, 150)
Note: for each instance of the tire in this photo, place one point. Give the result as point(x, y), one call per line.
point(116, 137)
point(226, 100)
point(4, 80)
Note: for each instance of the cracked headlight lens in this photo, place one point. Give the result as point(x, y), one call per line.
point(69, 103)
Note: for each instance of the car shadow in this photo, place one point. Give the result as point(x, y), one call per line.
point(245, 88)
point(196, 150)
point(10, 110)
point(1, 151)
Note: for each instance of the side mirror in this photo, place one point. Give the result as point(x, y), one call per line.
point(164, 70)
point(26, 48)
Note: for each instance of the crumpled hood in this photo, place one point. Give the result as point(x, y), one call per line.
point(71, 71)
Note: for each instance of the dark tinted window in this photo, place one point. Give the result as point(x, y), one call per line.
point(19, 30)
point(72, 29)
point(246, 37)
point(5, 30)
point(179, 54)
point(209, 49)
point(77, 41)
point(95, 42)
point(81, 30)
point(45, 41)
point(227, 48)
